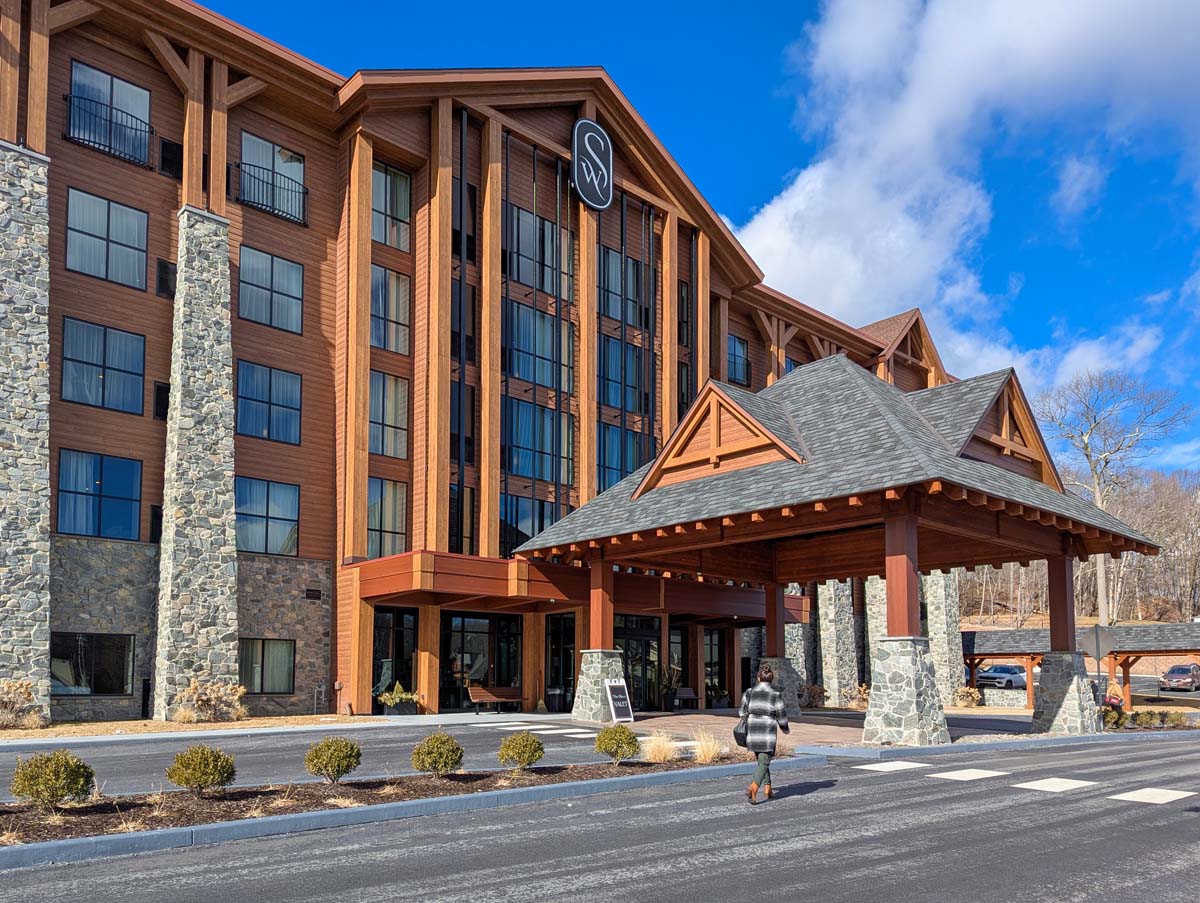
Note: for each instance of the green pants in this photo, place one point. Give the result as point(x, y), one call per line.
point(762, 774)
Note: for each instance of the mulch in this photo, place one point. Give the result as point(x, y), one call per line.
point(22, 823)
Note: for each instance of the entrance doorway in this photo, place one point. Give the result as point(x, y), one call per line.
point(639, 640)
point(478, 650)
point(560, 662)
point(394, 645)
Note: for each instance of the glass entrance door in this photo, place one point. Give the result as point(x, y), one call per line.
point(639, 640)
point(395, 643)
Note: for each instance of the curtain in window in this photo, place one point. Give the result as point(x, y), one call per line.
point(254, 296)
point(87, 217)
point(250, 665)
point(288, 286)
point(79, 485)
point(83, 375)
point(283, 518)
point(250, 501)
point(126, 248)
point(277, 661)
point(254, 390)
point(125, 353)
point(285, 406)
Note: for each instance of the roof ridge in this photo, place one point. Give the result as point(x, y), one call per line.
point(882, 405)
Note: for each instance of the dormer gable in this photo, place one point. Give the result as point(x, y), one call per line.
point(910, 361)
point(1008, 436)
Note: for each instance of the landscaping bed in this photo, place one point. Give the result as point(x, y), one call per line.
point(24, 823)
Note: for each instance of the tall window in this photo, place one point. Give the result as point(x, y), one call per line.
point(456, 228)
point(109, 114)
point(739, 361)
point(387, 517)
point(268, 403)
point(389, 415)
point(457, 316)
point(270, 290)
point(611, 304)
point(390, 195)
point(389, 310)
point(268, 516)
point(99, 495)
point(615, 391)
point(609, 441)
point(521, 519)
point(715, 675)
point(91, 664)
point(529, 244)
point(789, 365)
point(527, 449)
point(457, 392)
point(272, 179)
point(685, 387)
point(267, 666)
point(106, 239)
point(530, 352)
point(685, 314)
point(462, 521)
point(567, 264)
point(102, 367)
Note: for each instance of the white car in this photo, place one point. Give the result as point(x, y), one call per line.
point(1010, 677)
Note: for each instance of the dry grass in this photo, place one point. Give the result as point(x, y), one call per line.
point(258, 810)
point(343, 802)
point(785, 746)
point(55, 819)
point(708, 748)
point(158, 804)
point(389, 790)
point(660, 748)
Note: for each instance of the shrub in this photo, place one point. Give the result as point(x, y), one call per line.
point(16, 705)
point(437, 754)
point(617, 742)
point(707, 748)
point(213, 701)
point(1146, 719)
point(396, 695)
point(967, 697)
point(332, 758)
point(660, 748)
point(1110, 718)
point(812, 696)
point(50, 779)
point(857, 698)
point(1123, 719)
point(1176, 720)
point(520, 750)
point(202, 768)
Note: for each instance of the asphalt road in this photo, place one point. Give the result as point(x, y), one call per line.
point(838, 833)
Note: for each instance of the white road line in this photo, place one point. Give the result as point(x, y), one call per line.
point(1154, 795)
point(894, 765)
point(500, 724)
point(581, 736)
point(517, 727)
point(1055, 785)
point(968, 774)
point(553, 730)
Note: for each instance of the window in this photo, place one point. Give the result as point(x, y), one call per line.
point(567, 267)
point(102, 367)
point(267, 516)
point(529, 251)
point(270, 290)
point(91, 664)
point(170, 159)
point(610, 444)
point(685, 314)
point(527, 449)
point(521, 519)
point(389, 310)
point(389, 415)
point(456, 316)
point(529, 350)
point(162, 400)
point(390, 193)
point(268, 403)
point(267, 666)
point(611, 288)
point(714, 664)
point(739, 361)
point(456, 228)
point(109, 114)
point(106, 239)
point(615, 391)
point(521, 246)
point(685, 388)
point(458, 390)
point(790, 364)
point(462, 521)
point(99, 495)
point(387, 517)
point(272, 179)
point(164, 279)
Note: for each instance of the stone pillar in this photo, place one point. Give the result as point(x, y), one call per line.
point(25, 420)
point(876, 615)
point(753, 644)
point(839, 666)
point(591, 699)
point(197, 590)
point(905, 707)
point(1064, 703)
point(787, 681)
point(940, 589)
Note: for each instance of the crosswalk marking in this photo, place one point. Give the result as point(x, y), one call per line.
point(894, 765)
point(582, 735)
point(501, 724)
point(552, 730)
point(1054, 785)
point(1155, 795)
point(968, 774)
point(516, 727)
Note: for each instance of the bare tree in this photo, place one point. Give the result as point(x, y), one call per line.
point(1110, 419)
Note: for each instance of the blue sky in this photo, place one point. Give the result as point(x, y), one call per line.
point(1027, 176)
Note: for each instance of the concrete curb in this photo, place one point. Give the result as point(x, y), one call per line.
point(84, 848)
point(907, 752)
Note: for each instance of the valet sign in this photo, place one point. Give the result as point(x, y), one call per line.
point(618, 699)
point(592, 164)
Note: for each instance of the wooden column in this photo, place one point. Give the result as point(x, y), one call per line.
point(786, 334)
point(533, 660)
point(491, 319)
point(600, 604)
point(901, 574)
point(669, 414)
point(702, 300)
point(357, 331)
point(218, 136)
point(362, 633)
point(721, 352)
point(695, 634)
point(1061, 600)
point(437, 438)
point(582, 637)
point(189, 79)
point(775, 616)
point(10, 68)
point(733, 655)
point(426, 668)
point(37, 86)
point(1126, 678)
point(585, 380)
point(768, 328)
point(1029, 681)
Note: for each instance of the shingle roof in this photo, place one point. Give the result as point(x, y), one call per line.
point(887, 330)
point(856, 433)
point(1137, 638)
point(955, 409)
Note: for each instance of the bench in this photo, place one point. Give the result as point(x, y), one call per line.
point(686, 694)
point(493, 695)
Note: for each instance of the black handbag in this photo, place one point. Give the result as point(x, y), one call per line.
point(739, 733)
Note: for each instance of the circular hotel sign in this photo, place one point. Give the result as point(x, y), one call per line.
point(592, 164)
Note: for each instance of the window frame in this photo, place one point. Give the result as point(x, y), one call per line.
point(100, 496)
point(383, 425)
point(385, 169)
point(404, 503)
point(406, 325)
point(262, 650)
point(732, 342)
point(269, 402)
point(539, 457)
point(270, 289)
point(266, 518)
point(104, 368)
point(130, 665)
point(274, 209)
point(69, 230)
point(109, 149)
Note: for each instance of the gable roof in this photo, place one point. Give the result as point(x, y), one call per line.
point(855, 433)
point(955, 409)
point(890, 330)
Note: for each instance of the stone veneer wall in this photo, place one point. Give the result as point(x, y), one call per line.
point(104, 586)
point(839, 663)
point(876, 615)
point(905, 707)
point(272, 605)
point(940, 591)
point(197, 594)
point(754, 640)
point(25, 419)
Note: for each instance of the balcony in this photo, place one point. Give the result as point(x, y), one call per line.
point(108, 129)
point(267, 190)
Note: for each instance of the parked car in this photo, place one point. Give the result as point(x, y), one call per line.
point(1181, 677)
point(1007, 676)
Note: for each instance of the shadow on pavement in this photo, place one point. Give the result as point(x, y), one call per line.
point(804, 789)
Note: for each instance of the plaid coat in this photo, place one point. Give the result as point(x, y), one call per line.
point(763, 709)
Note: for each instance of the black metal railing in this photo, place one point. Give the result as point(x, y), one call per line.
point(108, 129)
point(273, 192)
point(739, 370)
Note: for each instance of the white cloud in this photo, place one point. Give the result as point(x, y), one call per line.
point(1129, 346)
point(903, 97)
point(1185, 454)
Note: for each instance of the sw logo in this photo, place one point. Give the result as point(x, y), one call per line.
point(592, 164)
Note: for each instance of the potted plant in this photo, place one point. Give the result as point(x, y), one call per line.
point(672, 680)
point(397, 701)
point(717, 697)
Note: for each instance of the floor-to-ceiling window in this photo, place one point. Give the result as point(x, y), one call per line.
point(560, 662)
point(395, 644)
point(639, 639)
point(716, 677)
point(478, 650)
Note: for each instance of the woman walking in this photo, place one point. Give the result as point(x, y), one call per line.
point(764, 711)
